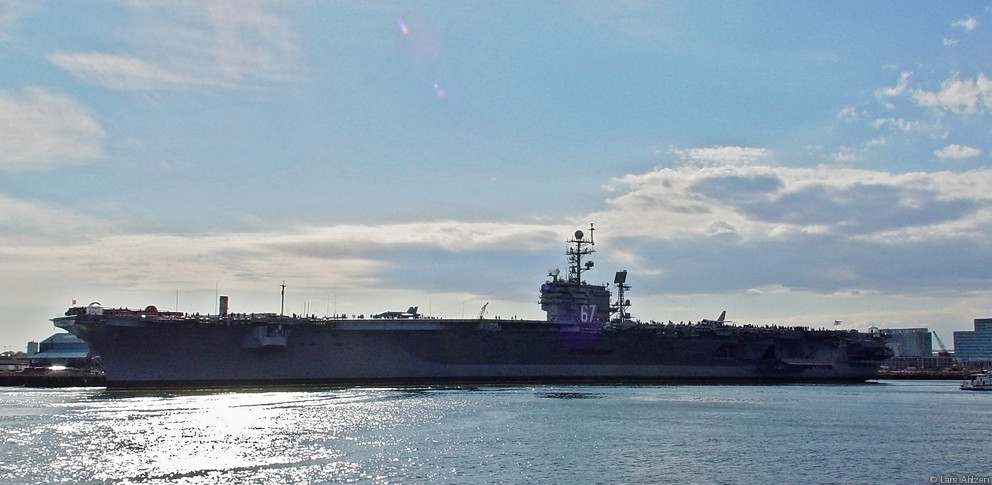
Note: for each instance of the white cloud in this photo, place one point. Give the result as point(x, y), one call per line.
point(961, 96)
point(896, 123)
point(722, 155)
point(932, 128)
point(32, 238)
point(899, 88)
point(118, 72)
point(39, 130)
point(249, 40)
point(685, 202)
point(40, 225)
point(956, 152)
point(826, 230)
point(967, 23)
point(10, 14)
point(177, 44)
point(847, 155)
point(849, 113)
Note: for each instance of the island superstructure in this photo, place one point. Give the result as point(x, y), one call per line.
point(585, 337)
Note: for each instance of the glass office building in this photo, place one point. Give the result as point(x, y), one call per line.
point(974, 344)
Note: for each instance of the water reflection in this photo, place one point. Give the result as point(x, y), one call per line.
point(167, 435)
point(564, 434)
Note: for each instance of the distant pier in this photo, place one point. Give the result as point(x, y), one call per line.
point(48, 379)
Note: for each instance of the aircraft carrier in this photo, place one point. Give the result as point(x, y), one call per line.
point(586, 337)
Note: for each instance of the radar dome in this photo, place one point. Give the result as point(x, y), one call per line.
point(94, 308)
point(579, 235)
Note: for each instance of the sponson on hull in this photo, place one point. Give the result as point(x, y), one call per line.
point(586, 337)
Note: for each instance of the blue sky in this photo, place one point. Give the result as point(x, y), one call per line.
point(790, 162)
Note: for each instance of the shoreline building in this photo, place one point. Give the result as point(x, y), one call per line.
point(912, 348)
point(62, 349)
point(974, 345)
point(910, 342)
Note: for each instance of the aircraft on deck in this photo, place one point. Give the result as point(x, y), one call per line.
point(719, 321)
point(409, 313)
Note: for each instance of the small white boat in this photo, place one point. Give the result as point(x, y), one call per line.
point(978, 382)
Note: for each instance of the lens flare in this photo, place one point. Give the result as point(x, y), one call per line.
point(439, 91)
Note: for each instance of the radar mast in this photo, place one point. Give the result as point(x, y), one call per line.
point(582, 248)
point(622, 303)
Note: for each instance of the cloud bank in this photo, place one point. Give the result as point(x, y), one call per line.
point(40, 130)
point(687, 229)
point(179, 45)
point(813, 229)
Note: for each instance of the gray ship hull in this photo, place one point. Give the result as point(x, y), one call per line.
point(139, 351)
point(585, 338)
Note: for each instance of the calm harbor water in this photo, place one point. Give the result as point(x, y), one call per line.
point(891, 432)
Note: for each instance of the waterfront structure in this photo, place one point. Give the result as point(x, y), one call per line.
point(910, 342)
point(61, 349)
point(13, 362)
point(912, 349)
point(974, 345)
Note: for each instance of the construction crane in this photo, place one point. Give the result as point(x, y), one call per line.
point(943, 350)
point(482, 313)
